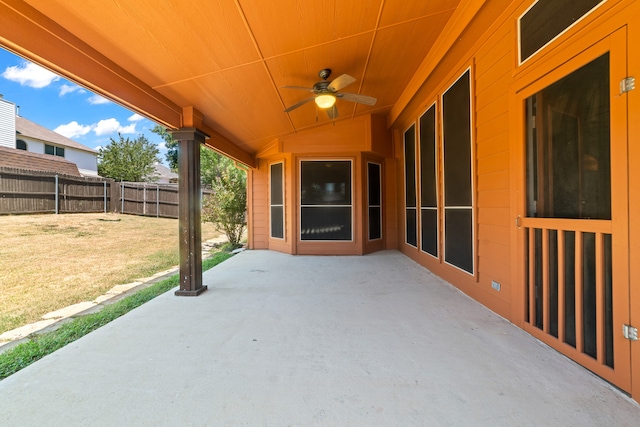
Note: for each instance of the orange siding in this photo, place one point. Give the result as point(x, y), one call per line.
point(259, 208)
point(364, 137)
point(489, 45)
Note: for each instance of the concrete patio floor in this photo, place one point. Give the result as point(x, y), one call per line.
point(281, 340)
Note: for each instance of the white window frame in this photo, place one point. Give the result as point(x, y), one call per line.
point(369, 205)
point(284, 213)
point(472, 166)
point(351, 162)
point(419, 172)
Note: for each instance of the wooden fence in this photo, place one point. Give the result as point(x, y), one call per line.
point(29, 192)
point(148, 199)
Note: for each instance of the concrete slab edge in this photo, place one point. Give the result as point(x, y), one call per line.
point(53, 320)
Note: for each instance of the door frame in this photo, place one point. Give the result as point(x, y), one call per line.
point(536, 78)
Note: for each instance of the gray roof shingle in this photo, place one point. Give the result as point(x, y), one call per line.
point(33, 130)
point(20, 159)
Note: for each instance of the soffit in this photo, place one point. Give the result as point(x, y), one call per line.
point(230, 58)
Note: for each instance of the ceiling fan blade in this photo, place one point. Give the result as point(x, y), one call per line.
point(294, 106)
point(332, 112)
point(306, 89)
point(361, 99)
point(340, 82)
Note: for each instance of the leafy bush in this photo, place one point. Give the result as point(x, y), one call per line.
point(226, 207)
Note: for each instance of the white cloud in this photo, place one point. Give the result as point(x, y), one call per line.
point(162, 146)
point(128, 129)
point(135, 118)
point(73, 129)
point(30, 74)
point(107, 126)
point(65, 89)
point(97, 100)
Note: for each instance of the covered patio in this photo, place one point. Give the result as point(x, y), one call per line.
point(281, 340)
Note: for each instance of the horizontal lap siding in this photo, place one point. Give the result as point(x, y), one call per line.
point(493, 76)
point(259, 205)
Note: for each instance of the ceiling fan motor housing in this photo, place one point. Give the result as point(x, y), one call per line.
point(321, 87)
point(324, 73)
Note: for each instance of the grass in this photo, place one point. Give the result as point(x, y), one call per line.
point(49, 262)
point(41, 345)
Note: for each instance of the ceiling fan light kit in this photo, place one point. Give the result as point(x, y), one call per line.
point(325, 100)
point(326, 92)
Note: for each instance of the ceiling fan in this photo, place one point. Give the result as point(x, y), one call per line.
point(326, 92)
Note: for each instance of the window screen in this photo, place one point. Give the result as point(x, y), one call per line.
point(458, 186)
point(568, 146)
point(276, 191)
point(374, 200)
point(547, 19)
point(326, 202)
point(410, 186)
point(428, 183)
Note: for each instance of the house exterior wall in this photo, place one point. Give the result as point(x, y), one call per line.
point(487, 48)
point(87, 162)
point(360, 140)
point(7, 124)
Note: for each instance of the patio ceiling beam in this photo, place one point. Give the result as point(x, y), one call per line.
point(192, 118)
point(32, 35)
point(226, 147)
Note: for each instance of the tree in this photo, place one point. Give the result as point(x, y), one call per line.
point(211, 162)
point(172, 146)
point(128, 160)
point(226, 207)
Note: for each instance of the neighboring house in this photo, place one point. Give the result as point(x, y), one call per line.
point(12, 158)
point(19, 133)
point(164, 175)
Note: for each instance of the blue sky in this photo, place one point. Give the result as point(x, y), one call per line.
point(66, 108)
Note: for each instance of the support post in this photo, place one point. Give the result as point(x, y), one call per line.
point(189, 206)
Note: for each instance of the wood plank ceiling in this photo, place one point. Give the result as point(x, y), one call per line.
point(230, 58)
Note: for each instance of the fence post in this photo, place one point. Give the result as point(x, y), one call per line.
point(122, 198)
point(104, 183)
point(57, 195)
point(157, 200)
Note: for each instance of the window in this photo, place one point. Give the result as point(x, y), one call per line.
point(21, 145)
point(277, 200)
point(411, 217)
point(568, 148)
point(547, 19)
point(457, 170)
point(53, 150)
point(374, 200)
point(428, 183)
point(325, 200)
